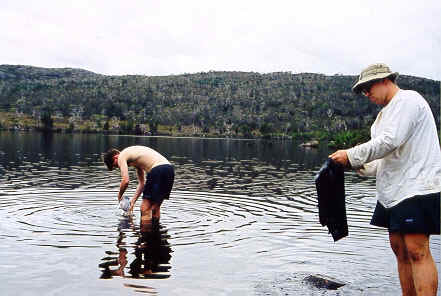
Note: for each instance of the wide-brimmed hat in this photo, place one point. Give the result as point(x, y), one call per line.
point(373, 72)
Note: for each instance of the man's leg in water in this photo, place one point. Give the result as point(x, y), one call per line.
point(416, 267)
point(150, 211)
point(425, 275)
point(156, 211)
point(146, 210)
point(404, 265)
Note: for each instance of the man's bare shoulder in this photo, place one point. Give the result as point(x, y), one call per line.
point(142, 157)
point(134, 151)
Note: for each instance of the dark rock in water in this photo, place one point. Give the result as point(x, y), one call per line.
point(301, 283)
point(323, 282)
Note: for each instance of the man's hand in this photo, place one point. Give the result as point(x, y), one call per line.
point(132, 205)
point(341, 157)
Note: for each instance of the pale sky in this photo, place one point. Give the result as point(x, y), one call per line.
point(161, 37)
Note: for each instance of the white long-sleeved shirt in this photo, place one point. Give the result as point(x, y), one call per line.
point(404, 151)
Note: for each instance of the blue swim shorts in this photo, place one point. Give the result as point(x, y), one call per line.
point(159, 183)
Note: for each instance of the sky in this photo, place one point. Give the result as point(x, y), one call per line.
point(175, 37)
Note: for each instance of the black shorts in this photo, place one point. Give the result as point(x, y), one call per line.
point(159, 183)
point(418, 214)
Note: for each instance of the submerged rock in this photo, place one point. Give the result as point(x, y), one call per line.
point(323, 282)
point(300, 283)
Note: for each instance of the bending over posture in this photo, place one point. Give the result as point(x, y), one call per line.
point(156, 186)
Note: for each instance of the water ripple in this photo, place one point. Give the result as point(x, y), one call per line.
point(256, 213)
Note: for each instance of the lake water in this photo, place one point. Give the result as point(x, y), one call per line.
point(242, 220)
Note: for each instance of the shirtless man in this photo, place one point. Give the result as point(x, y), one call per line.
point(156, 186)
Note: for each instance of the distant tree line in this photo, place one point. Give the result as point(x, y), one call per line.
point(220, 103)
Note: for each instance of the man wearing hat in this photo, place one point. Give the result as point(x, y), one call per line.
point(404, 155)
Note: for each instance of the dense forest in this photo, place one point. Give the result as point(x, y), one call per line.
point(227, 104)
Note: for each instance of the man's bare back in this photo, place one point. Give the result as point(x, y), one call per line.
point(141, 157)
point(154, 172)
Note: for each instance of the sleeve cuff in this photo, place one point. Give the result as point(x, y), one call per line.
point(355, 163)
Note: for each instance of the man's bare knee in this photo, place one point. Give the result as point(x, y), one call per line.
point(398, 246)
point(146, 209)
point(156, 210)
point(417, 246)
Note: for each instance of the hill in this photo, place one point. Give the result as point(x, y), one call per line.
point(244, 104)
point(18, 72)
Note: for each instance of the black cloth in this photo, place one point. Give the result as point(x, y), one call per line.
point(330, 184)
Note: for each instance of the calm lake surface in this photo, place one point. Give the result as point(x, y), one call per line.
point(242, 220)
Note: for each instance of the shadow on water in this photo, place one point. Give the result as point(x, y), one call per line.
point(147, 258)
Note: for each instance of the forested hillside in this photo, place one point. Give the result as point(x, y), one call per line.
point(217, 103)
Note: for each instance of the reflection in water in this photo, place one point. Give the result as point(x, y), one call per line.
point(120, 262)
point(142, 289)
point(115, 263)
point(152, 252)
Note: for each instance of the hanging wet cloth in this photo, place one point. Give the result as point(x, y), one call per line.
point(330, 184)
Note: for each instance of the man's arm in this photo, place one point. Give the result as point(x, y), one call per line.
point(369, 169)
point(124, 177)
point(400, 124)
point(139, 189)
